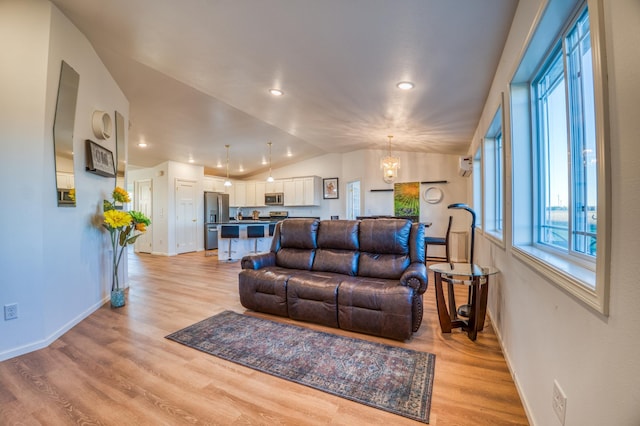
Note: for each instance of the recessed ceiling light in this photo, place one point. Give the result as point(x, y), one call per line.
point(276, 92)
point(405, 85)
point(142, 144)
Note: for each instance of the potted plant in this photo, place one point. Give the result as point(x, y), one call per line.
point(122, 226)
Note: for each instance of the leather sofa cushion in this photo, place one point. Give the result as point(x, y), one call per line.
point(339, 261)
point(388, 266)
point(384, 247)
point(338, 234)
point(376, 306)
point(264, 290)
point(385, 236)
point(299, 233)
point(295, 258)
point(313, 296)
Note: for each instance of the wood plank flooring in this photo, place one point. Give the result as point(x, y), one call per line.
point(116, 367)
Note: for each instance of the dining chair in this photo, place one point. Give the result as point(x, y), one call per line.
point(439, 241)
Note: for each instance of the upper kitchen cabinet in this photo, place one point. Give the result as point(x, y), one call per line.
point(275, 187)
point(213, 184)
point(304, 191)
point(247, 194)
point(261, 189)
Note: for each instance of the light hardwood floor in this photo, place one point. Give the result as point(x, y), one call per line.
point(116, 367)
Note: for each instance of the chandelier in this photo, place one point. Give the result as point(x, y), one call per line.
point(228, 181)
point(390, 165)
point(270, 178)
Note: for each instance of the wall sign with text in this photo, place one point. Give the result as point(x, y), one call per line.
point(99, 160)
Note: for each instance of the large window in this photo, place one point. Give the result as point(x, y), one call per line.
point(559, 150)
point(493, 178)
point(564, 116)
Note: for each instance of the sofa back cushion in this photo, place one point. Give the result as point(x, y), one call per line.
point(384, 247)
point(297, 243)
point(337, 247)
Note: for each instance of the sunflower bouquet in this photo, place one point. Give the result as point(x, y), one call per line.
point(122, 227)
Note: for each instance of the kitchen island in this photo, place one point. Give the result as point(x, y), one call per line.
point(243, 245)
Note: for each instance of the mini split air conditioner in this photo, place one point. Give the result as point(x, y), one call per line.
point(466, 166)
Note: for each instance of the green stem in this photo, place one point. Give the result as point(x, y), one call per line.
point(118, 262)
point(114, 281)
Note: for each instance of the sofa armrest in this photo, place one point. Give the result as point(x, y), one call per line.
point(258, 261)
point(415, 276)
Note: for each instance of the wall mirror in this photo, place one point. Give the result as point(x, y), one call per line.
point(121, 158)
point(63, 135)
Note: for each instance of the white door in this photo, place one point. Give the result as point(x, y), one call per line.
point(353, 199)
point(186, 216)
point(143, 197)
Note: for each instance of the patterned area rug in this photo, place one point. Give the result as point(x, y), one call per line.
point(390, 378)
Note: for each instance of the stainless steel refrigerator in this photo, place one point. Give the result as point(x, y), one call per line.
point(216, 210)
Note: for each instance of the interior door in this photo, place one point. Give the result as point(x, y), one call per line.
point(186, 216)
point(143, 196)
point(353, 199)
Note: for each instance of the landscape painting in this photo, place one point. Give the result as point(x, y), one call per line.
point(406, 199)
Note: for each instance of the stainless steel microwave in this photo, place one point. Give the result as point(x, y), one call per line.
point(274, 199)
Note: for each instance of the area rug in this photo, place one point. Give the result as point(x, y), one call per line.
point(386, 377)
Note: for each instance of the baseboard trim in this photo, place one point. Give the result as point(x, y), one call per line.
point(40, 344)
point(505, 353)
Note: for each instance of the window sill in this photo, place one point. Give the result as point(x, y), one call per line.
point(575, 279)
point(495, 237)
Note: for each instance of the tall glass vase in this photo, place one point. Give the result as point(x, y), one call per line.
point(117, 298)
point(117, 293)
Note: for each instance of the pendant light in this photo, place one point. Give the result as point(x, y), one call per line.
point(270, 178)
point(390, 165)
point(227, 182)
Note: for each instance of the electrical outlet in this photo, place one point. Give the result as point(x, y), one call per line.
point(559, 402)
point(10, 311)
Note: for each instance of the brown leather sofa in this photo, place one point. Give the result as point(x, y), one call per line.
point(361, 275)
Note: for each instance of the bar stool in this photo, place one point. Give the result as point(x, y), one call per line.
point(255, 232)
point(272, 228)
point(439, 241)
point(229, 232)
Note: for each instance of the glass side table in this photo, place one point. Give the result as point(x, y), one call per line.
point(474, 311)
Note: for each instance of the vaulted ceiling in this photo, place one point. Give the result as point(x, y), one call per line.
point(197, 74)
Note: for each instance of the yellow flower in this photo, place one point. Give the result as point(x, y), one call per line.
point(121, 195)
point(117, 218)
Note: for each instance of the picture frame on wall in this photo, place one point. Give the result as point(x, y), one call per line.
point(99, 160)
point(330, 188)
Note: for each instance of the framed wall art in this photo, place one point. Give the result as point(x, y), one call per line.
point(99, 160)
point(330, 188)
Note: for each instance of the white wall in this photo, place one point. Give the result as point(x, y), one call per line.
point(55, 261)
point(547, 334)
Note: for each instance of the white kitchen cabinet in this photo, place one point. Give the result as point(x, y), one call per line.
point(65, 180)
point(253, 194)
point(213, 184)
point(250, 194)
point(289, 192)
point(277, 186)
point(239, 191)
point(231, 190)
point(312, 190)
point(304, 191)
point(260, 191)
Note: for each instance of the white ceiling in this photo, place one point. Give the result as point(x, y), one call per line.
point(197, 74)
